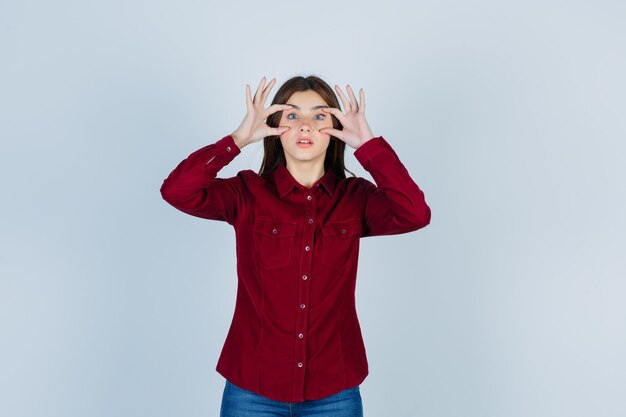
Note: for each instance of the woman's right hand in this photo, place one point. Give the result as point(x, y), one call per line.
point(253, 127)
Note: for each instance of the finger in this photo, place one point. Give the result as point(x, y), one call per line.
point(355, 105)
point(248, 98)
point(333, 132)
point(362, 105)
point(257, 96)
point(336, 112)
point(267, 90)
point(259, 91)
point(344, 99)
point(277, 107)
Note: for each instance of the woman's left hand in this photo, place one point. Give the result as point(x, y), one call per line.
point(355, 131)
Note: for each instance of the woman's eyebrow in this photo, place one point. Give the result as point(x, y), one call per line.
point(312, 108)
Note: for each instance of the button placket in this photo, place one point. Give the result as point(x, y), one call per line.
point(304, 290)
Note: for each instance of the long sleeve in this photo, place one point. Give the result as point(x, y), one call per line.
point(192, 187)
point(396, 204)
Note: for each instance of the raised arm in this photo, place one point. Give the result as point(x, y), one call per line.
point(395, 204)
point(193, 186)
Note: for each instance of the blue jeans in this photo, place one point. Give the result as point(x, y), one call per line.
point(238, 402)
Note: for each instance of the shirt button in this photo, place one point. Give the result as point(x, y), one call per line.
point(300, 335)
point(228, 149)
point(310, 221)
point(308, 197)
point(300, 365)
point(307, 248)
point(274, 231)
point(302, 306)
point(304, 277)
point(344, 231)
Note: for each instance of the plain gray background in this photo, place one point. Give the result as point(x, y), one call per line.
point(508, 115)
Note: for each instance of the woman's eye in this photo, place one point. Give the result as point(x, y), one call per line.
point(321, 116)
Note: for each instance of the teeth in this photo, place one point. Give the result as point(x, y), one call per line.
point(304, 141)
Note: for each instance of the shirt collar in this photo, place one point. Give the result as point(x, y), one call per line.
point(285, 181)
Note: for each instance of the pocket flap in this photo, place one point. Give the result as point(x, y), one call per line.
point(275, 228)
point(342, 229)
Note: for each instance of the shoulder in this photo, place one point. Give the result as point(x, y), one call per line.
point(248, 174)
point(242, 178)
point(253, 180)
point(357, 184)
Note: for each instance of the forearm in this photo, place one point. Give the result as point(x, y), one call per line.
point(396, 204)
point(239, 140)
point(193, 186)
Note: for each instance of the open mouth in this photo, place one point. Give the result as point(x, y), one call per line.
point(304, 143)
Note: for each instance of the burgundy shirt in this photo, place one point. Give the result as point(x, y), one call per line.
point(295, 334)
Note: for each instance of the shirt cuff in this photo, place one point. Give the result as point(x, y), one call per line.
point(211, 158)
point(372, 148)
point(228, 146)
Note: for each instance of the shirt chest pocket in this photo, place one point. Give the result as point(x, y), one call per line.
point(340, 241)
point(274, 242)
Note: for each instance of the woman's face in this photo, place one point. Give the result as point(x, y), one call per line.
point(305, 121)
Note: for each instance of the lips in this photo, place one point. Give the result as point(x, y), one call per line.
point(304, 140)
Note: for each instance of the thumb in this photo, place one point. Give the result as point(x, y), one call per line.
point(278, 130)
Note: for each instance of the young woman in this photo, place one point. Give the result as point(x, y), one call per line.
point(295, 346)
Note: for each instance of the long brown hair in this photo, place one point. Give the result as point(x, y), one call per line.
point(273, 149)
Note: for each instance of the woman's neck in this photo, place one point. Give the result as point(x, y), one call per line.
point(306, 174)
